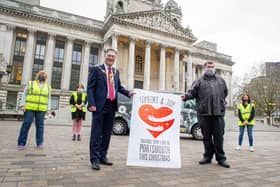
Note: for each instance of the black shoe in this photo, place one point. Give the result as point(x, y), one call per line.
point(95, 166)
point(205, 161)
point(74, 137)
point(106, 162)
point(224, 164)
point(79, 137)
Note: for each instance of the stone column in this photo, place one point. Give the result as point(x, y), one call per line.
point(176, 70)
point(101, 55)
point(66, 73)
point(131, 63)
point(184, 74)
point(194, 72)
point(115, 46)
point(85, 65)
point(115, 41)
point(7, 42)
point(200, 70)
point(147, 70)
point(184, 80)
point(228, 82)
point(162, 69)
point(48, 64)
point(230, 88)
point(28, 57)
point(6, 46)
point(189, 72)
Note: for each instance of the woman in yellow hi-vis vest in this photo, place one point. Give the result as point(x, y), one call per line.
point(246, 114)
point(35, 102)
point(78, 101)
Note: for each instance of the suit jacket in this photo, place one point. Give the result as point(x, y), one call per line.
point(97, 89)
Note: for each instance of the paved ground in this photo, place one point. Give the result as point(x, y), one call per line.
point(65, 163)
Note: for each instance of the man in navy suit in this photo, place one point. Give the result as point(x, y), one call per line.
point(102, 92)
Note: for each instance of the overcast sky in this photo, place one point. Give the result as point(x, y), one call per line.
point(247, 30)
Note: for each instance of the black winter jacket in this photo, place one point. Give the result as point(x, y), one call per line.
point(210, 94)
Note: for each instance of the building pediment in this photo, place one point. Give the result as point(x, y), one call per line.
point(155, 20)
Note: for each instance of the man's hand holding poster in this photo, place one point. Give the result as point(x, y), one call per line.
point(154, 131)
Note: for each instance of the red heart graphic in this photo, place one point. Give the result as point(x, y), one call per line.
point(147, 111)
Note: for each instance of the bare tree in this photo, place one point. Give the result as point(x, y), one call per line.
point(265, 91)
point(241, 86)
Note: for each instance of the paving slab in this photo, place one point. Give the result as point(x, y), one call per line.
point(63, 162)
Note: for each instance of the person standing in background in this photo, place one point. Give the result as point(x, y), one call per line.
point(246, 115)
point(78, 101)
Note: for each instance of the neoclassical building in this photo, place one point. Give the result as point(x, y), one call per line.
point(155, 52)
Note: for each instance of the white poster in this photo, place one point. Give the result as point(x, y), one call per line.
point(154, 138)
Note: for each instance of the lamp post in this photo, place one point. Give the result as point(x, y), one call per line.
point(271, 106)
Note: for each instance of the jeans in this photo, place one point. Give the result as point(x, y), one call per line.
point(27, 121)
point(249, 132)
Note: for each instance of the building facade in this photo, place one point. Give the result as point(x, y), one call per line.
point(155, 52)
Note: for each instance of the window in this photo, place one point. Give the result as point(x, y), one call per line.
point(120, 6)
point(196, 73)
point(218, 72)
point(57, 65)
point(18, 71)
point(20, 47)
point(40, 51)
point(54, 102)
point(189, 104)
point(11, 103)
point(59, 52)
point(40, 47)
point(138, 84)
point(76, 66)
point(39, 56)
point(75, 77)
point(36, 68)
point(139, 65)
point(18, 57)
point(93, 57)
point(77, 54)
point(56, 77)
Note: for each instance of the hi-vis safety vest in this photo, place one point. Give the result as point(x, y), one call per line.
point(75, 94)
point(37, 98)
point(246, 113)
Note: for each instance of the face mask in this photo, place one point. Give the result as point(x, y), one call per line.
point(80, 90)
point(41, 78)
point(210, 71)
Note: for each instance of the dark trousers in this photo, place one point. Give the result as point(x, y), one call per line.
point(212, 128)
point(101, 128)
point(27, 121)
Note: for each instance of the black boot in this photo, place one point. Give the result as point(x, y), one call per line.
point(224, 164)
point(74, 137)
point(79, 137)
point(205, 160)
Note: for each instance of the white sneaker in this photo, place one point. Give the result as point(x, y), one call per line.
point(252, 149)
point(237, 148)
